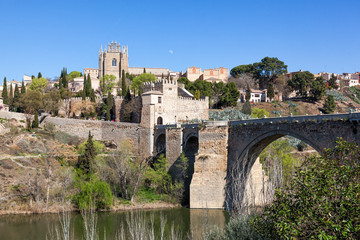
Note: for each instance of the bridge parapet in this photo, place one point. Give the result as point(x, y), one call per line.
point(294, 119)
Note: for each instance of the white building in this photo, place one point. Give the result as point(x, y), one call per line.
point(256, 96)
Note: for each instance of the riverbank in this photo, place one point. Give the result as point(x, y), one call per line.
point(118, 207)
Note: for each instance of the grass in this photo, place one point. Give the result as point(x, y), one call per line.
point(147, 195)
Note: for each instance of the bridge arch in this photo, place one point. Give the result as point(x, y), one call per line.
point(259, 143)
point(160, 144)
point(239, 169)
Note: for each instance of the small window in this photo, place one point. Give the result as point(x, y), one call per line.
point(159, 121)
point(159, 99)
point(114, 62)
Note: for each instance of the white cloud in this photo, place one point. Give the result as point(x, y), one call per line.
point(171, 51)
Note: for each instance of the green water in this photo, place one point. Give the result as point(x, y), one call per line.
point(187, 222)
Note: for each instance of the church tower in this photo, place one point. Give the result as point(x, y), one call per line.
point(112, 60)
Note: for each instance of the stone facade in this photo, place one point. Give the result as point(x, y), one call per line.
point(212, 75)
point(113, 60)
point(161, 101)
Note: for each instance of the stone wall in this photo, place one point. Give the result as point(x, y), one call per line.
point(207, 189)
point(105, 131)
point(14, 115)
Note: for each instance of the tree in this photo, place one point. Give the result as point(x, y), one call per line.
point(197, 94)
point(302, 82)
point(259, 113)
point(144, 70)
point(92, 95)
point(35, 123)
point(39, 75)
point(270, 91)
point(86, 161)
point(267, 70)
point(74, 74)
point(23, 89)
point(85, 90)
point(123, 83)
point(16, 98)
point(246, 109)
point(230, 96)
point(52, 101)
point(5, 93)
point(64, 79)
point(30, 102)
point(11, 100)
point(88, 86)
point(241, 69)
point(248, 93)
point(318, 88)
point(321, 201)
point(329, 105)
point(332, 82)
point(109, 107)
point(137, 82)
point(107, 83)
point(38, 84)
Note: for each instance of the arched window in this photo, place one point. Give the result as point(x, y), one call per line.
point(159, 121)
point(114, 62)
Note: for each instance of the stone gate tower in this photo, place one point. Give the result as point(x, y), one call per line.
point(113, 59)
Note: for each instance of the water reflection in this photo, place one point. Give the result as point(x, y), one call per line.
point(187, 222)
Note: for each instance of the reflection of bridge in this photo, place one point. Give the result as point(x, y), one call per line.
point(224, 146)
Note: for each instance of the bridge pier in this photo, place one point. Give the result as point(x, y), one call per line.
point(174, 138)
point(207, 189)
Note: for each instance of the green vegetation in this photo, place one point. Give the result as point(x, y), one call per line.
point(137, 82)
point(107, 83)
point(302, 82)
point(329, 105)
point(4, 92)
point(318, 88)
point(321, 201)
point(259, 113)
point(220, 95)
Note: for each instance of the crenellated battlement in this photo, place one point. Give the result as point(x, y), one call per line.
point(193, 99)
point(159, 85)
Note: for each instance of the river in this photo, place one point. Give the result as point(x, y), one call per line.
point(184, 221)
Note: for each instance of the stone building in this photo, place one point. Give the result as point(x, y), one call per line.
point(167, 102)
point(212, 75)
point(113, 60)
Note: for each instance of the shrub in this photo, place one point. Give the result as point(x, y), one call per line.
point(322, 200)
point(237, 228)
point(93, 193)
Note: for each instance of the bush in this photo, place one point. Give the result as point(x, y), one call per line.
point(50, 127)
point(322, 200)
point(93, 193)
point(237, 228)
point(66, 138)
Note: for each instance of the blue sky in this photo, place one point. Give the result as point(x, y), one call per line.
point(314, 35)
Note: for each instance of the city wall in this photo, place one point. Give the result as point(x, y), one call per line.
point(114, 132)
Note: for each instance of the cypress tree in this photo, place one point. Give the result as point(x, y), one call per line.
point(16, 98)
point(92, 95)
point(248, 93)
point(23, 89)
point(246, 108)
point(271, 92)
point(11, 98)
point(329, 105)
point(85, 85)
point(89, 87)
point(5, 93)
point(144, 70)
point(63, 78)
point(110, 104)
point(123, 83)
point(83, 95)
point(35, 123)
point(32, 76)
point(39, 75)
point(86, 161)
point(128, 95)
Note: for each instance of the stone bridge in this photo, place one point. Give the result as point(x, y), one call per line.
point(217, 148)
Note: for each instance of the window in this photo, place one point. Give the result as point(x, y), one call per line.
point(159, 121)
point(159, 99)
point(114, 62)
